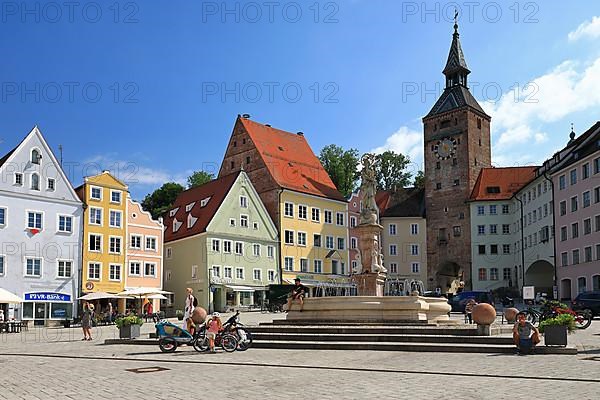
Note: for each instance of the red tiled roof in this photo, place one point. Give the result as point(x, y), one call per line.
point(290, 160)
point(508, 180)
point(217, 191)
point(382, 199)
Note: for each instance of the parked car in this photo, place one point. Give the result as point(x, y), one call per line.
point(587, 301)
point(459, 300)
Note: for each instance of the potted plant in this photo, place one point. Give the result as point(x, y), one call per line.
point(129, 326)
point(179, 315)
point(555, 329)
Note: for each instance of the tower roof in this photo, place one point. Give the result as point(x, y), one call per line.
point(456, 58)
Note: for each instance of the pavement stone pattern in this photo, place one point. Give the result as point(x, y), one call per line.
point(55, 363)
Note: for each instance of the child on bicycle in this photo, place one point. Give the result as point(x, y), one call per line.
point(213, 327)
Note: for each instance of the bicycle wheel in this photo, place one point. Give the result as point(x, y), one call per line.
point(200, 344)
point(531, 316)
point(229, 343)
point(583, 319)
point(244, 339)
point(167, 345)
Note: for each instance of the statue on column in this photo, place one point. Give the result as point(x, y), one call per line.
point(370, 230)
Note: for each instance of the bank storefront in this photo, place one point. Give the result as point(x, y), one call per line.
point(47, 306)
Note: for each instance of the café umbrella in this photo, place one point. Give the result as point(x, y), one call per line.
point(8, 297)
point(101, 295)
point(143, 292)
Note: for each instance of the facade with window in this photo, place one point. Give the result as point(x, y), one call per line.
point(40, 231)
point(104, 267)
point(534, 241)
point(311, 215)
point(144, 250)
point(404, 237)
point(495, 217)
point(575, 172)
point(227, 263)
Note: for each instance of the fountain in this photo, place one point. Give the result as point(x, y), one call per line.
point(370, 304)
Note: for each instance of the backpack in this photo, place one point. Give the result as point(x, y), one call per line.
point(195, 302)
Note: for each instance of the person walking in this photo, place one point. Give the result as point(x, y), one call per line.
point(110, 312)
point(190, 303)
point(86, 320)
point(469, 309)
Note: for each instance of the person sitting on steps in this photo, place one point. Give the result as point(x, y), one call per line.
point(525, 335)
point(298, 292)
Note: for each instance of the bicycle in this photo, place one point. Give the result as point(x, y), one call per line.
point(242, 334)
point(551, 309)
point(227, 341)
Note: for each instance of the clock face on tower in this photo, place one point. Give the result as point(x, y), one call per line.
point(445, 148)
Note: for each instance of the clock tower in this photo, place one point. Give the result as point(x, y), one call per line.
point(457, 146)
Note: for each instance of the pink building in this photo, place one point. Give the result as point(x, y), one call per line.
point(575, 173)
point(144, 257)
point(353, 220)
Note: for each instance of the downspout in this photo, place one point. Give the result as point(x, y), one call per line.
point(522, 246)
point(553, 233)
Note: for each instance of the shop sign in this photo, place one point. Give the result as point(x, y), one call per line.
point(89, 285)
point(47, 296)
point(220, 281)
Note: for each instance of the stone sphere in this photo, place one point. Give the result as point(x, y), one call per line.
point(199, 315)
point(484, 314)
point(510, 314)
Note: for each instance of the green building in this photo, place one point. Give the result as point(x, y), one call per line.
point(221, 242)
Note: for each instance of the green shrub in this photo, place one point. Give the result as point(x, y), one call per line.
point(563, 319)
point(130, 319)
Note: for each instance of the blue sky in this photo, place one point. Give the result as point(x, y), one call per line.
point(150, 90)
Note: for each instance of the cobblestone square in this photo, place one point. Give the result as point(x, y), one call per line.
point(62, 366)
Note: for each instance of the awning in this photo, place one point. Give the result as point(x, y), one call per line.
point(237, 288)
point(8, 297)
point(101, 295)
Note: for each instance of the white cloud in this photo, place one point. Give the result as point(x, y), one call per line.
point(408, 142)
point(131, 172)
point(588, 29)
point(519, 116)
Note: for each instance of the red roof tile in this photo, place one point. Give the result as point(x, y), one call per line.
point(501, 183)
point(216, 190)
point(290, 160)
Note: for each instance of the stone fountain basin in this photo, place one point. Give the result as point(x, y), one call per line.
point(372, 309)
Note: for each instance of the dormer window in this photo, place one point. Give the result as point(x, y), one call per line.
point(35, 156)
point(35, 182)
point(493, 189)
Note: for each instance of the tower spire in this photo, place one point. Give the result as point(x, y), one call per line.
point(456, 69)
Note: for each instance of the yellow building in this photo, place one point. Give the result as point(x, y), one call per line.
point(104, 234)
point(314, 239)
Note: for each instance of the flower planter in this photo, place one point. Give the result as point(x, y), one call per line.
point(555, 335)
point(129, 331)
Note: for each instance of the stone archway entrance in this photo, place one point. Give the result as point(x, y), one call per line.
point(541, 275)
point(449, 277)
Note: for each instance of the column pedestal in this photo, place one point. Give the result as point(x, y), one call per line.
point(369, 283)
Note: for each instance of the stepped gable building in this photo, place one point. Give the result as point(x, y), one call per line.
point(457, 146)
point(311, 215)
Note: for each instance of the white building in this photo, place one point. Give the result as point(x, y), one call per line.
point(494, 219)
point(40, 232)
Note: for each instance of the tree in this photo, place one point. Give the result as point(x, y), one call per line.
point(342, 167)
point(198, 178)
point(419, 180)
point(159, 201)
point(390, 170)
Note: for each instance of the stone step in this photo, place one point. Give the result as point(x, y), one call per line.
point(374, 329)
point(412, 347)
point(378, 338)
point(375, 346)
point(347, 322)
